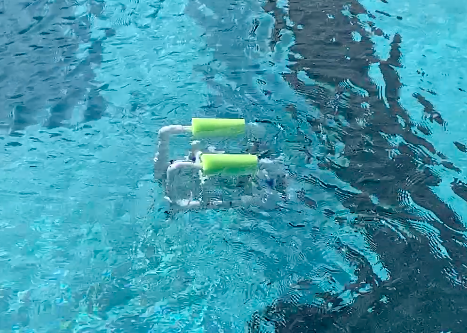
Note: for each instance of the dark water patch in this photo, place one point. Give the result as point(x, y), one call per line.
point(367, 163)
point(419, 296)
point(425, 288)
point(301, 195)
point(427, 303)
point(329, 314)
point(401, 177)
point(270, 7)
point(460, 146)
point(382, 13)
point(429, 110)
point(429, 91)
point(16, 134)
point(460, 188)
point(40, 68)
point(106, 296)
point(424, 129)
point(96, 106)
point(13, 144)
point(450, 166)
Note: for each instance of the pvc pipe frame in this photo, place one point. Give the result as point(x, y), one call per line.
point(161, 160)
point(177, 165)
point(187, 204)
point(162, 166)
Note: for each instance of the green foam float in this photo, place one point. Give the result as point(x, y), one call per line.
point(229, 164)
point(206, 127)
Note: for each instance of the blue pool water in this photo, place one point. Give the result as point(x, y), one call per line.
point(86, 243)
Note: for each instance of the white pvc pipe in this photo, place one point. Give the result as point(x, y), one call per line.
point(181, 165)
point(161, 160)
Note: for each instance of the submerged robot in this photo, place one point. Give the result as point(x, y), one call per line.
point(212, 179)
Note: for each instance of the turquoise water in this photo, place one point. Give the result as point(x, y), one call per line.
point(433, 42)
point(85, 243)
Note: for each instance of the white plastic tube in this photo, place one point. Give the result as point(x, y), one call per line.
point(177, 165)
point(161, 160)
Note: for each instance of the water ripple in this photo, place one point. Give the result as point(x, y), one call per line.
point(370, 203)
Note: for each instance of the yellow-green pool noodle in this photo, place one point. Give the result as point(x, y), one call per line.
point(231, 164)
point(217, 127)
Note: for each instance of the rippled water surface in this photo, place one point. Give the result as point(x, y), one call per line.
point(364, 101)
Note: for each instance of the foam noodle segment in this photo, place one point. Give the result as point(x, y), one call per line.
point(217, 127)
point(233, 164)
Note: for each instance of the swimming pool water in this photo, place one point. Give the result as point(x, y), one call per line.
point(86, 245)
